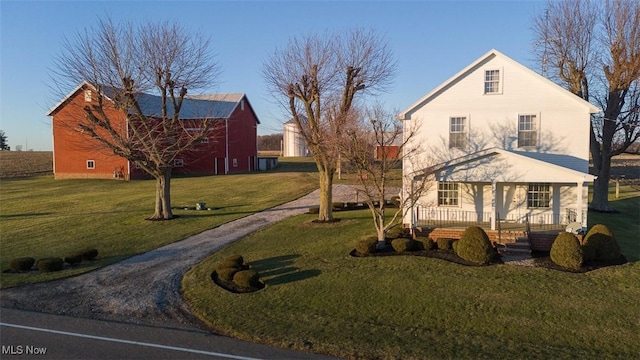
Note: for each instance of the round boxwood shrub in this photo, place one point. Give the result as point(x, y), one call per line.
point(566, 251)
point(89, 254)
point(401, 245)
point(22, 264)
point(49, 264)
point(337, 206)
point(227, 274)
point(474, 245)
point(246, 278)
point(424, 243)
point(238, 259)
point(395, 232)
point(600, 244)
point(367, 246)
point(445, 243)
point(454, 246)
point(226, 264)
point(73, 259)
point(314, 210)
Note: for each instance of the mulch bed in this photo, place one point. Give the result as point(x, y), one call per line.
point(540, 259)
point(232, 287)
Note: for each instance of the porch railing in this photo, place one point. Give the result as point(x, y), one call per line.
point(447, 217)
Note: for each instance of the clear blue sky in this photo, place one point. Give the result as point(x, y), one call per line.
point(432, 40)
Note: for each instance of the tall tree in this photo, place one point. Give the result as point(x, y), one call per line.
point(124, 61)
point(376, 146)
point(4, 145)
point(593, 48)
point(317, 79)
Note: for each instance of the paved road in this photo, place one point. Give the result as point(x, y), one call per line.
point(30, 335)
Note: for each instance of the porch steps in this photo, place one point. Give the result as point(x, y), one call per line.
point(521, 247)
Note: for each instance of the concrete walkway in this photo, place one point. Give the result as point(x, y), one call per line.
point(145, 288)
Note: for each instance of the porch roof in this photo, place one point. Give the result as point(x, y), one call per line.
point(502, 165)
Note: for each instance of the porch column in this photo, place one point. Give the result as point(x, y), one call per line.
point(579, 207)
point(493, 205)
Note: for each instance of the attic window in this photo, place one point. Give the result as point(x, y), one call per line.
point(492, 82)
point(87, 95)
point(242, 105)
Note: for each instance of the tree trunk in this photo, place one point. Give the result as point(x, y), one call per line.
point(600, 200)
point(326, 194)
point(163, 196)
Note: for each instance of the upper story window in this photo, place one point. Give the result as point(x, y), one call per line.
point(448, 193)
point(527, 130)
point(91, 164)
point(87, 95)
point(539, 195)
point(492, 82)
point(458, 132)
point(178, 163)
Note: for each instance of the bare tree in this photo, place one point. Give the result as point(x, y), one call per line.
point(4, 145)
point(317, 79)
point(593, 48)
point(376, 146)
point(123, 62)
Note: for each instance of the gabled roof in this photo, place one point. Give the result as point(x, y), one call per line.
point(502, 165)
point(493, 53)
point(215, 106)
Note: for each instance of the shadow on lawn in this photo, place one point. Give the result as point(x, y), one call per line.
point(280, 270)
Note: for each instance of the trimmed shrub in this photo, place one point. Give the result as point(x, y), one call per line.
point(314, 210)
point(73, 259)
point(445, 243)
point(424, 243)
point(89, 254)
point(454, 246)
point(227, 274)
point(395, 200)
point(337, 206)
point(600, 244)
point(49, 264)
point(366, 246)
point(474, 245)
point(566, 251)
point(352, 206)
point(238, 259)
point(22, 264)
point(226, 264)
point(401, 245)
point(396, 231)
point(247, 278)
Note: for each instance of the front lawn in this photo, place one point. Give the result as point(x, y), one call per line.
point(319, 298)
point(42, 217)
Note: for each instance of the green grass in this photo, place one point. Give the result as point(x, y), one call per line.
point(320, 299)
point(42, 217)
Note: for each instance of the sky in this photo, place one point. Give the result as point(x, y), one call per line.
point(431, 41)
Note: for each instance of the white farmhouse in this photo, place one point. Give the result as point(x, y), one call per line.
point(293, 143)
point(504, 146)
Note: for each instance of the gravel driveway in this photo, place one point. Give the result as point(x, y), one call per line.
point(146, 288)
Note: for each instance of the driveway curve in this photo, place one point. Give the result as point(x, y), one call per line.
point(145, 288)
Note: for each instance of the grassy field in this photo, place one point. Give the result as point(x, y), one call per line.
point(42, 217)
point(319, 298)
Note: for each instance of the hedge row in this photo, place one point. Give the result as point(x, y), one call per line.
point(25, 264)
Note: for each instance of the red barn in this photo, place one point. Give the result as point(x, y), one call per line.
point(230, 148)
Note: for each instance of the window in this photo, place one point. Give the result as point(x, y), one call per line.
point(204, 140)
point(235, 162)
point(527, 130)
point(91, 164)
point(457, 132)
point(87, 95)
point(448, 193)
point(539, 195)
point(492, 81)
point(178, 163)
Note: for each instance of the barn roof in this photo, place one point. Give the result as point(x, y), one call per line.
point(218, 106)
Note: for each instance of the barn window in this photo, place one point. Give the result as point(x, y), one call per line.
point(178, 163)
point(235, 162)
point(527, 130)
point(492, 81)
point(91, 164)
point(448, 193)
point(457, 132)
point(539, 195)
point(204, 140)
point(87, 95)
